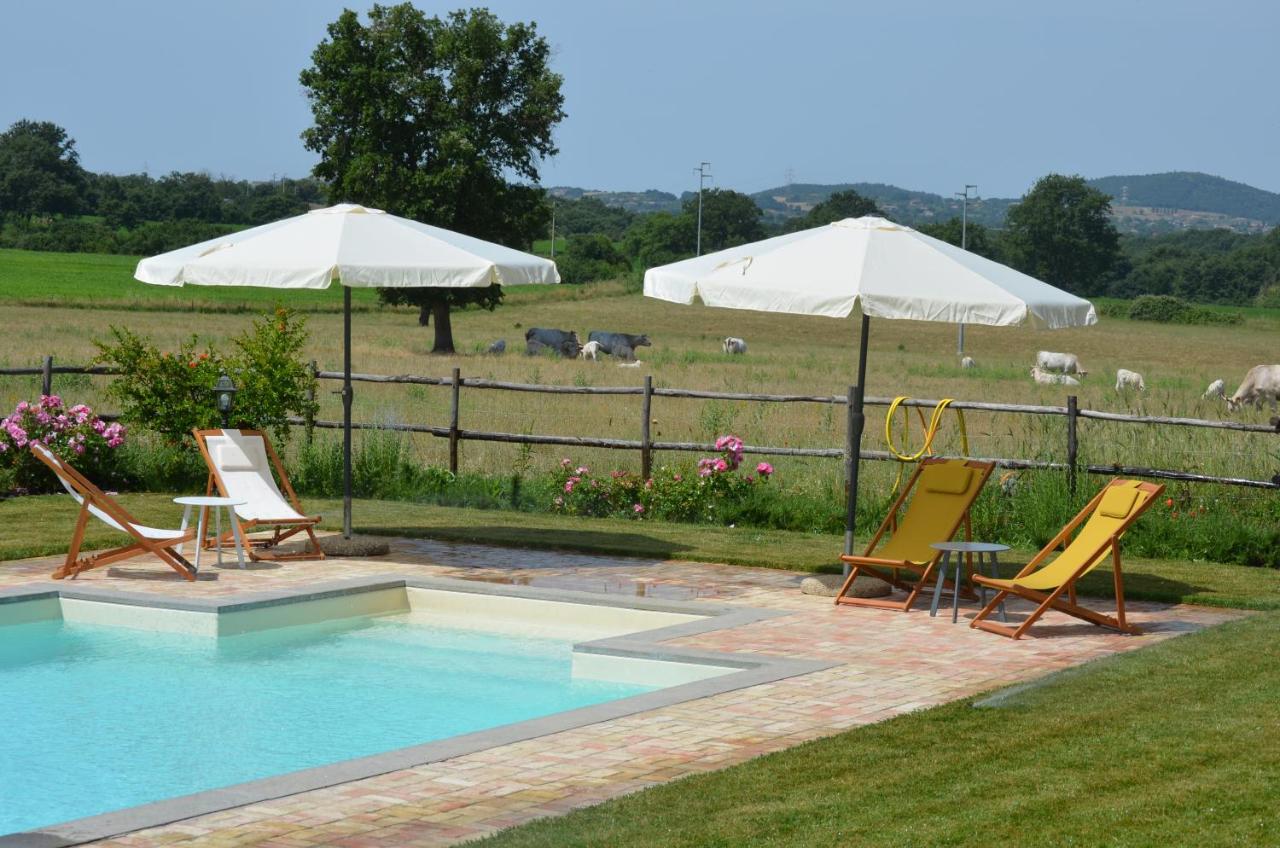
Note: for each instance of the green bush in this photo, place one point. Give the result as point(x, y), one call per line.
point(171, 393)
point(1167, 309)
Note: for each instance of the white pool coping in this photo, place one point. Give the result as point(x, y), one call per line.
point(621, 639)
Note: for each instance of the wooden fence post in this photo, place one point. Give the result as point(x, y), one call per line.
point(456, 386)
point(310, 426)
point(1073, 445)
point(46, 376)
point(646, 444)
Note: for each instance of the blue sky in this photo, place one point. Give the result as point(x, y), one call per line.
point(927, 95)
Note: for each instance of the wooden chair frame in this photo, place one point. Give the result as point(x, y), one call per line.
point(260, 550)
point(1052, 600)
point(873, 565)
point(91, 495)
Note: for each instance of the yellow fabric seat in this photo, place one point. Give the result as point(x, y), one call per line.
point(1105, 519)
point(941, 493)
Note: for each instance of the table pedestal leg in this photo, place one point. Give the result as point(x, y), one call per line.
point(201, 518)
point(186, 520)
point(955, 590)
point(937, 588)
point(235, 532)
point(995, 572)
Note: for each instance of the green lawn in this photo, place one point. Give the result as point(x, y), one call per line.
point(41, 525)
point(1172, 745)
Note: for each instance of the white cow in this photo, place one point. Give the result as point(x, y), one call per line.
point(733, 344)
point(968, 362)
point(1049, 378)
point(1217, 389)
point(1126, 379)
point(1261, 383)
point(590, 350)
point(635, 363)
point(1063, 363)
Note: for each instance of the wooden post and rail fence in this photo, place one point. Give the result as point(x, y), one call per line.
point(647, 447)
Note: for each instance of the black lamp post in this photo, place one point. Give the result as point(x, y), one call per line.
point(225, 391)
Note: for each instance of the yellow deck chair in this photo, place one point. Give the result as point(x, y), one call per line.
point(1111, 512)
point(944, 490)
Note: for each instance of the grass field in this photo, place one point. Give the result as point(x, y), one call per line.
point(1171, 745)
point(787, 354)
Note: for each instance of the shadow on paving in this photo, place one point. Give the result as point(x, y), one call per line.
point(586, 542)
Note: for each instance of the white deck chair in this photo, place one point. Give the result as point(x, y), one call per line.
point(240, 467)
point(165, 544)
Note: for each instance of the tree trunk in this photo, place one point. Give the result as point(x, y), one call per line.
point(444, 329)
point(424, 316)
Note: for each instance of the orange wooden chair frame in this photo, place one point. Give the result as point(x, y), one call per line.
point(259, 550)
point(1053, 600)
point(91, 495)
point(875, 565)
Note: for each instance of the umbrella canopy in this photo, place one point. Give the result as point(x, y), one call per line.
point(354, 245)
point(879, 269)
point(882, 269)
point(357, 247)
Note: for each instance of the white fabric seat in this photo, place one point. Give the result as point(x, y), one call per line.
point(245, 470)
point(141, 529)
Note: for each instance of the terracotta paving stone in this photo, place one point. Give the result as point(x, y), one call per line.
point(890, 663)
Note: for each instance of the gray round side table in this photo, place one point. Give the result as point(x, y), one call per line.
point(979, 550)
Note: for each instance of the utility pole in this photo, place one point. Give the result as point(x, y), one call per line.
point(964, 245)
point(703, 176)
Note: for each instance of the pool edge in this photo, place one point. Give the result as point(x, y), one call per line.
point(752, 670)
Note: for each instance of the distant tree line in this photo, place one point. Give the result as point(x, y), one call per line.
point(1060, 231)
point(49, 202)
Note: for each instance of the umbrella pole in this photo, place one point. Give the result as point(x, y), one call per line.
point(346, 412)
point(857, 421)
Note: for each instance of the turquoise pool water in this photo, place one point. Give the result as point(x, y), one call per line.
point(96, 718)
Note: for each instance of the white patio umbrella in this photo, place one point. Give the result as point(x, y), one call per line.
point(357, 247)
point(877, 268)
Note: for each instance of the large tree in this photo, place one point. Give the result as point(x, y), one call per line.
point(40, 170)
point(1061, 232)
point(837, 207)
point(441, 120)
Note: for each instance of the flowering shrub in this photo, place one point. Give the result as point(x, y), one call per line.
point(171, 393)
point(672, 494)
point(73, 433)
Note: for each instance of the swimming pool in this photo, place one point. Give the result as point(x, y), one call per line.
point(110, 705)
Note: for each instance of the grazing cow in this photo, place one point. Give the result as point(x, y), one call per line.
point(564, 342)
point(1063, 363)
point(1217, 389)
point(1261, 383)
point(621, 351)
point(500, 346)
point(590, 350)
point(1048, 378)
point(1126, 379)
point(611, 342)
point(733, 344)
point(968, 363)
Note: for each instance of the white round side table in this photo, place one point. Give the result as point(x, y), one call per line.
point(217, 504)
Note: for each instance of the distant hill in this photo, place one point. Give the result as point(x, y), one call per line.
point(651, 200)
point(908, 207)
point(1146, 204)
point(1193, 192)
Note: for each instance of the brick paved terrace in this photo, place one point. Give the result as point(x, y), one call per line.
point(889, 663)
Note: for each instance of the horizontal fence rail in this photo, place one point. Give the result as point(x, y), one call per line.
point(456, 434)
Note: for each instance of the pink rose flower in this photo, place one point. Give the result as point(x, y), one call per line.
point(720, 466)
point(764, 469)
point(637, 508)
point(566, 462)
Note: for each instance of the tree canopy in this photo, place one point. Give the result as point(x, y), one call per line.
point(837, 207)
point(428, 117)
point(1061, 233)
point(40, 170)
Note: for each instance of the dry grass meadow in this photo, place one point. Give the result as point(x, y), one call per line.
point(788, 354)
